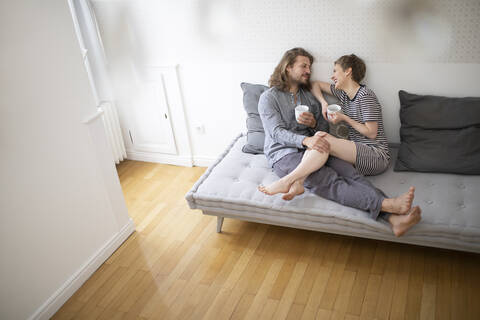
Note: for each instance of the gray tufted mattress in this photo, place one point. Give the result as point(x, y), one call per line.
point(450, 203)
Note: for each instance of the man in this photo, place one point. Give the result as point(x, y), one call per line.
point(287, 141)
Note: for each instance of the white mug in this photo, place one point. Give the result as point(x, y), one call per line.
point(331, 109)
point(299, 110)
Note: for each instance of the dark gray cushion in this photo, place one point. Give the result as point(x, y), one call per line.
point(439, 134)
point(255, 132)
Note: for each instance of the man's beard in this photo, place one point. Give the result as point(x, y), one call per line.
point(304, 82)
point(301, 81)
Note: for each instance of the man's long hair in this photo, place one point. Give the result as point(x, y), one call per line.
point(279, 78)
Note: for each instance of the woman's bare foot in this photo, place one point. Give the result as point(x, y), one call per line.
point(295, 190)
point(401, 204)
point(279, 186)
point(401, 223)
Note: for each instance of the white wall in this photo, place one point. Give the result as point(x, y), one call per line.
point(62, 208)
point(425, 46)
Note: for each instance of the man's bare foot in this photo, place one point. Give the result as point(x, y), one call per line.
point(401, 204)
point(401, 223)
point(295, 190)
point(279, 186)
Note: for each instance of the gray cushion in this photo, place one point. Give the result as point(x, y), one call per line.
point(255, 133)
point(439, 134)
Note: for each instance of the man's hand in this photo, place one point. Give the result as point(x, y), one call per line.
point(307, 119)
point(317, 142)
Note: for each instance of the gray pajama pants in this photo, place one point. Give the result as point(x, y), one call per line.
point(338, 181)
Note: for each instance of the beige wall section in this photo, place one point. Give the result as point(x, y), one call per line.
point(380, 31)
point(61, 204)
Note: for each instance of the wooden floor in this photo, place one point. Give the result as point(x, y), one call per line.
point(175, 266)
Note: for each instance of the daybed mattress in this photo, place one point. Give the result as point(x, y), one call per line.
point(450, 203)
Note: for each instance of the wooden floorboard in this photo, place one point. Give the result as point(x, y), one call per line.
point(175, 266)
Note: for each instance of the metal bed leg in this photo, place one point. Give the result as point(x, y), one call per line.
point(219, 224)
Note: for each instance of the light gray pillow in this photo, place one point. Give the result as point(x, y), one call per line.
point(255, 132)
point(439, 134)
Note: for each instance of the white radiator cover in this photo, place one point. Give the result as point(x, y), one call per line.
point(113, 131)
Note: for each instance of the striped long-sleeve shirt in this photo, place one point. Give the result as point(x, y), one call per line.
point(283, 134)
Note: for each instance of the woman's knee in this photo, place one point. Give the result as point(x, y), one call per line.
point(327, 136)
point(323, 134)
point(318, 152)
point(320, 155)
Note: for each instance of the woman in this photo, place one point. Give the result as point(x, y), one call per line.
point(367, 147)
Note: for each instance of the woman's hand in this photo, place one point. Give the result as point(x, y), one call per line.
point(324, 110)
point(317, 92)
point(337, 117)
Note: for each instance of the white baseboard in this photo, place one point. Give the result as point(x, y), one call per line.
point(70, 286)
point(203, 161)
point(185, 161)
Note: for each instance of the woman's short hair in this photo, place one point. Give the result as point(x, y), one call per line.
point(354, 62)
point(279, 78)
